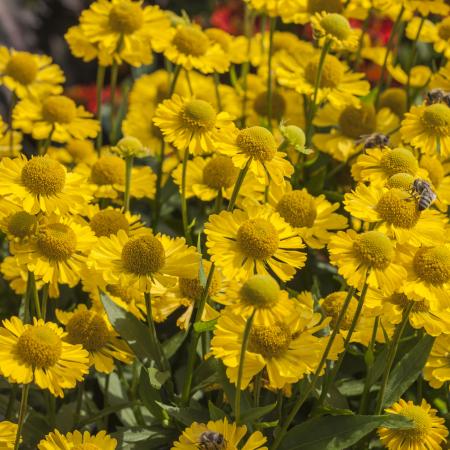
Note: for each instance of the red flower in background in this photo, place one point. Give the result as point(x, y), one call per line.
point(87, 96)
point(229, 16)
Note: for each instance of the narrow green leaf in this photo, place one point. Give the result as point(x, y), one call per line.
point(171, 345)
point(253, 414)
point(149, 395)
point(185, 415)
point(201, 327)
point(215, 413)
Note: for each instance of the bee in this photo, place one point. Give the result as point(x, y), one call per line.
point(373, 140)
point(446, 99)
point(434, 96)
point(212, 440)
point(421, 190)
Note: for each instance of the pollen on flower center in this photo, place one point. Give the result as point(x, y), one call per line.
point(436, 117)
point(39, 346)
point(399, 160)
point(198, 114)
point(374, 249)
point(397, 208)
point(402, 301)
point(261, 291)
point(432, 264)
point(355, 122)
point(126, 17)
point(59, 109)
point(422, 422)
point(143, 255)
point(298, 208)
point(22, 67)
point(402, 181)
point(278, 105)
point(257, 238)
point(88, 329)
point(332, 306)
point(107, 222)
point(220, 172)
point(332, 71)
point(270, 341)
point(257, 142)
point(395, 100)
point(190, 41)
point(336, 25)
point(192, 289)
point(108, 170)
point(330, 6)
point(219, 36)
point(444, 29)
point(57, 242)
point(22, 224)
point(43, 176)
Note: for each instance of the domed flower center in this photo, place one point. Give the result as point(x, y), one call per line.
point(399, 160)
point(402, 301)
point(395, 100)
point(143, 255)
point(270, 342)
point(355, 122)
point(79, 149)
point(22, 224)
point(332, 72)
point(220, 37)
point(257, 142)
point(423, 423)
point(257, 238)
point(191, 41)
point(397, 208)
point(220, 172)
point(278, 105)
point(336, 25)
point(432, 264)
point(86, 446)
point(126, 17)
point(118, 291)
point(436, 118)
point(88, 329)
point(192, 289)
point(434, 168)
point(298, 208)
point(198, 115)
point(374, 249)
point(261, 291)
point(108, 170)
point(332, 306)
point(59, 109)
point(43, 176)
point(330, 6)
point(108, 221)
point(39, 346)
point(402, 181)
point(284, 40)
point(57, 242)
point(444, 29)
point(22, 67)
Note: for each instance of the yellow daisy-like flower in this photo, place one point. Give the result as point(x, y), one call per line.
point(427, 7)
point(94, 332)
point(428, 430)
point(302, 11)
point(8, 431)
point(190, 47)
point(17, 224)
point(370, 255)
point(124, 29)
point(257, 240)
point(75, 151)
point(10, 141)
point(42, 184)
point(191, 123)
point(218, 434)
point(428, 128)
point(439, 175)
point(395, 100)
point(441, 79)
point(143, 259)
point(16, 275)
point(38, 353)
point(55, 116)
point(437, 367)
point(28, 75)
point(77, 440)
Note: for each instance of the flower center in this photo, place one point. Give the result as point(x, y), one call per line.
point(396, 208)
point(220, 172)
point(444, 29)
point(220, 37)
point(422, 423)
point(79, 149)
point(332, 306)
point(39, 346)
point(57, 242)
point(22, 224)
point(88, 329)
point(107, 222)
point(257, 142)
point(86, 446)
point(43, 176)
point(257, 238)
point(402, 181)
point(278, 105)
point(332, 72)
point(198, 114)
point(434, 168)
point(190, 41)
point(261, 291)
point(356, 122)
point(298, 208)
point(374, 249)
point(402, 301)
point(192, 289)
point(432, 264)
point(336, 25)
point(270, 341)
point(330, 6)
point(22, 67)
point(143, 255)
point(108, 170)
point(436, 119)
point(395, 100)
point(126, 17)
point(399, 160)
point(59, 109)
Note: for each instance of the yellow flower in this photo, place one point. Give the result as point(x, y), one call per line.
point(75, 151)
point(130, 147)
point(29, 75)
point(17, 224)
point(218, 433)
point(257, 240)
point(55, 116)
point(428, 430)
point(395, 100)
point(301, 11)
point(441, 79)
point(16, 275)
point(38, 353)
point(427, 7)
point(10, 141)
point(439, 175)
point(8, 431)
point(77, 440)
point(437, 367)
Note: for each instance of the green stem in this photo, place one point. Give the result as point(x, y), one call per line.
point(273, 23)
point(128, 168)
point(218, 202)
point(257, 389)
point(412, 60)
point(44, 300)
point(184, 211)
point(173, 83)
point(47, 142)
point(35, 295)
point(79, 402)
point(216, 88)
point(99, 90)
point(238, 185)
point(159, 176)
point(22, 413)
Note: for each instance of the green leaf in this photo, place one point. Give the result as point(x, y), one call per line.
point(201, 327)
point(157, 378)
point(215, 413)
point(407, 370)
point(149, 395)
point(185, 415)
point(253, 414)
point(337, 432)
point(171, 345)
